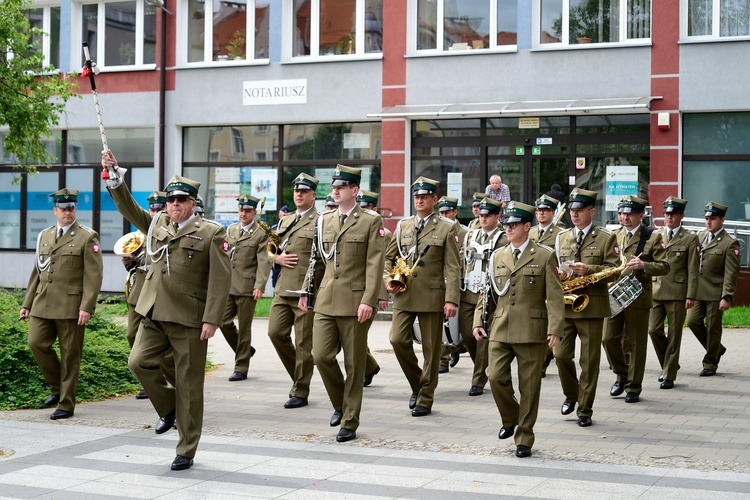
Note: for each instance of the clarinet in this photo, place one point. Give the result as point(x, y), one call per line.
point(311, 268)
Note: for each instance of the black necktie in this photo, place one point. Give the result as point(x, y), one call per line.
point(669, 235)
point(579, 244)
point(342, 218)
point(627, 238)
point(58, 235)
point(516, 254)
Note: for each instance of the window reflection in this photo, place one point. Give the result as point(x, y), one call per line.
point(337, 27)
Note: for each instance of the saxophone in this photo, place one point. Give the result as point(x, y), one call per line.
point(579, 302)
point(272, 249)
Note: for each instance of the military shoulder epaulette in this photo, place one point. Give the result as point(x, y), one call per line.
point(725, 232)
point(446, 219)
point(211, 221)
point(603, 229)
point(546, 247)
point(86, 228)
point(562, 232)
point(466, 228)
point(370, 212)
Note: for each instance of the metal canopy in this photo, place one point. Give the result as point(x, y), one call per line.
point(518, 108)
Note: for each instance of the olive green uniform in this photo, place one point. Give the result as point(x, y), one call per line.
point(434, 282)
point(295, 238)
point(352, 254)
point(719, 263)
point(531, 308)
point(548, 237)
point(598, 251)
point(251, 267)
point(629, 329)
point(186, 286)
point(669, 295)
point(66, 279)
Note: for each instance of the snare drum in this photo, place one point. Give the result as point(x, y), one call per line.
point(623, 293)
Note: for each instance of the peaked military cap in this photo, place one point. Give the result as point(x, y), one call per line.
point(199, 208)
point(488, 206)
point(631, 204)
point(715, 209)
point(330, 202)
point(425, 185)
point(365, 198)
point(247, 202)
point(181, 186)
point(547, 202)
point(343, 176)
point(446, 204)
point(65, 198)
point(580, 198)
point(157, 200)
point(477, 198)
point(305, 181)
point(674, 204)
point(518, 212)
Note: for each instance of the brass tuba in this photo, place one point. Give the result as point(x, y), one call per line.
point(579, 302)
point(401, 271)
point(129, 244)
point(272, 249)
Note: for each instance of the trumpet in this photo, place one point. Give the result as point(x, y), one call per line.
point(401, 271)
point(272, 249)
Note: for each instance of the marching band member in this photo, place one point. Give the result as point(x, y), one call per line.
point(251, 267)
point(182, 301)
point(477, 246)
point(582, 250)
point(719, 265)
point(529, 317)
point(431, 295)
point(647, 257)
point(351, 248)
point(60, 299)
point(675, 292)
point(296, 235)
point(476, 199)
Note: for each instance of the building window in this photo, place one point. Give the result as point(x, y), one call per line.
point(119, 33)
point(717, 18)
point(577, 22)
point(47, 19)
point(336, 27)
point(218, 31)
point(466, 24)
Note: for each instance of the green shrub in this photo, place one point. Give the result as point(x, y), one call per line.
point(104, 367)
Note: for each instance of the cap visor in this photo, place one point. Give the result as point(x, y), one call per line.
point(302, 187)
point(178, 192)
point(340, 183)
point(422, 191)
point(513, 219)
point(65, 204)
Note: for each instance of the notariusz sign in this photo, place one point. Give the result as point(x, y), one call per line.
point(264, 92)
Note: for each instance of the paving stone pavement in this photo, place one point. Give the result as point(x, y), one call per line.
point(682, 443)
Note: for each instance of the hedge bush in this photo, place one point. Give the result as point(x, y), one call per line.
point(104, 366)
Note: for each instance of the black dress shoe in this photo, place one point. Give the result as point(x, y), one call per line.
point(142, 394)
point(237, 376)
point(617, 389)
point(661, 378)
point(443, 369)
point(52, 400)
point(58, 414)
point(721, 353)
point(584, 422)
point(336, 418)
point(707, 372)
point(567, 408)
point(420, 411)
point(412, 401)
point(181, 463)
point(523, 451)
point(345, 435)
point(667, 384)
point(165, 423)
point(369, 376)
point(295, 402)
point(476, 390)
point(252, 351)
point(455, 356)
point(506, 432)
point(632, 397)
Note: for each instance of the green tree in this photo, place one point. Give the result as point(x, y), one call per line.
point(32, 97)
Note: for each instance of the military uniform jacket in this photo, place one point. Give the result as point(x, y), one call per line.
point(352, 257)
point(719, 263)
point(599, 250)
point(188, 281)
point(249, 259)
point(467, 295)
point(437, 280)
point(653, 255)
point(549, 237)
point(138, 277)
point(682, 255)
point(72, 278)
point(532, 305)
point(299, 241)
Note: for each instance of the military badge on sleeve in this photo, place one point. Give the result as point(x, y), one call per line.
point(381, 232)
point(225, 245)
point(95, 248)
point(736, 252)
